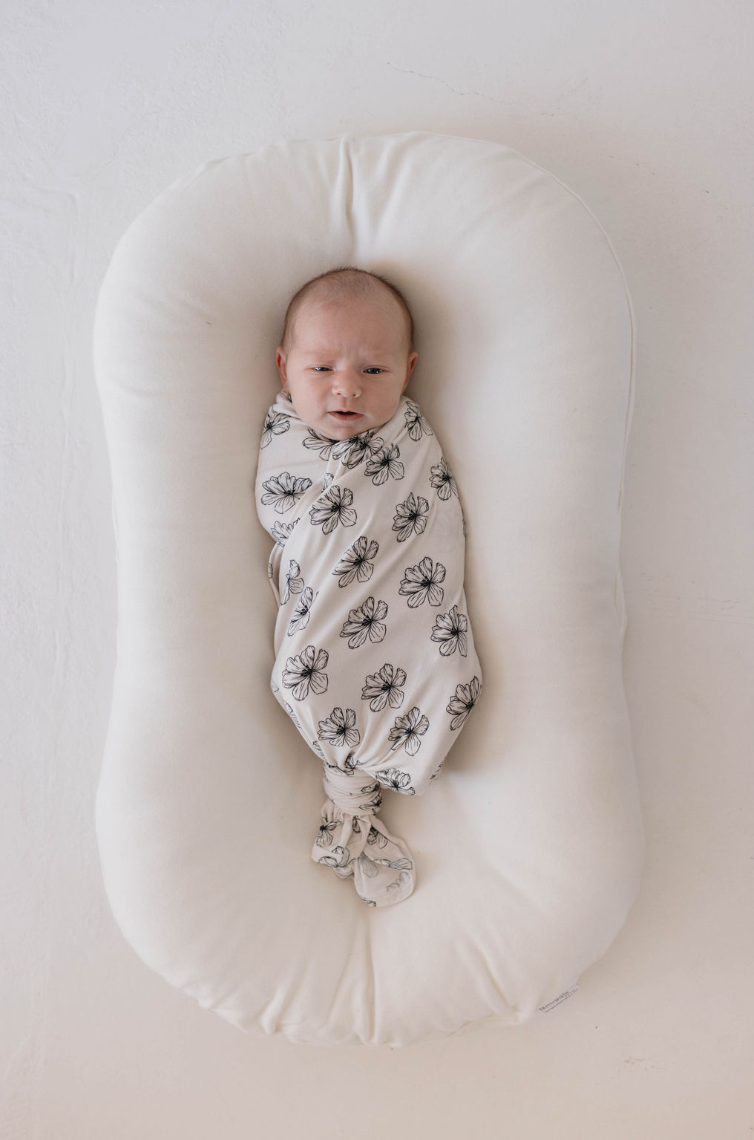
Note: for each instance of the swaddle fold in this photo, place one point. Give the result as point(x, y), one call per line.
point(372, 639)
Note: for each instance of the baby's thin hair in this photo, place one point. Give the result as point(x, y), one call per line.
point(343, 281)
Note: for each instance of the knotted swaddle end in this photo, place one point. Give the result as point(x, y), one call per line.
point(354, 842)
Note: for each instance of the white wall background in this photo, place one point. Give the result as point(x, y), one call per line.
point(643, 108)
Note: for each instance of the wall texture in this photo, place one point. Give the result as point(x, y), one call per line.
point(642, 108)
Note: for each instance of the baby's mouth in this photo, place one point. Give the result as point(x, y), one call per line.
point(345, 415)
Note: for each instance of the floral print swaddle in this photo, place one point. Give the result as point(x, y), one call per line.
point(374, 654)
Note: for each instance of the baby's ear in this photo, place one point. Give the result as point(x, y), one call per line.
point(409, 369)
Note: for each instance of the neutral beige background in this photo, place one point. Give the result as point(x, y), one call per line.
point(643, 109)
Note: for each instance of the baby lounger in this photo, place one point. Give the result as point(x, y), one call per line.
point(529, 846)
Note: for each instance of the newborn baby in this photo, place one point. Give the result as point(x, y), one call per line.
point(375, 660)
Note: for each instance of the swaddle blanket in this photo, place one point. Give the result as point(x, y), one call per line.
point(374, 654)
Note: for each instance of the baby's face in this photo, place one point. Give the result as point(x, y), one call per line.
point(347, 355)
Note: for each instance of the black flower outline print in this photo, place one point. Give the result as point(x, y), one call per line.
point(327, 479)
point(415, 421)
point(284, 490)
point(357, 562)
point(408, 730)
point(411, 516)
point(396, 780)
point(400, 883)
point(369, 866)
point(385, 464)
point(306, 671)
point(399, 864)
point(339, 730)
point(441, 478)
point(314, 442)
point(420, 583)
point(450, 630)
point(365, 621)
point(377, 837)
point(281, 531)
point(324, 837)
point(276, 423)
point(317, 748)
point(324, 840)
point(352, 452)
point(332, 508)
point(294, 584)
point(347, 768)
point(462, 702)
point(339, 859)
point(372, 801)
point(384, 687)
point(302, 612)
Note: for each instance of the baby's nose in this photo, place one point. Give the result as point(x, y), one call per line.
point(347, 383)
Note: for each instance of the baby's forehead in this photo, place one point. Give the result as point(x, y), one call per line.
point(381, 306)
point(315, 316)
point(321, 301)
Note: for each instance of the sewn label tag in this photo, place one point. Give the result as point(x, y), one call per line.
point(561, 997)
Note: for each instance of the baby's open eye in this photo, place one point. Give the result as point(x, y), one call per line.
point(375, 369)
point(321, 368)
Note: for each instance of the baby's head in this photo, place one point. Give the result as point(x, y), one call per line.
point(347, 344)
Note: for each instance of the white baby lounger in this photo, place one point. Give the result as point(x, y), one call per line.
point(529, 846)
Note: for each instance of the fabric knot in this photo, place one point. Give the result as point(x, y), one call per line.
point(354, 842)
point(351, 790)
